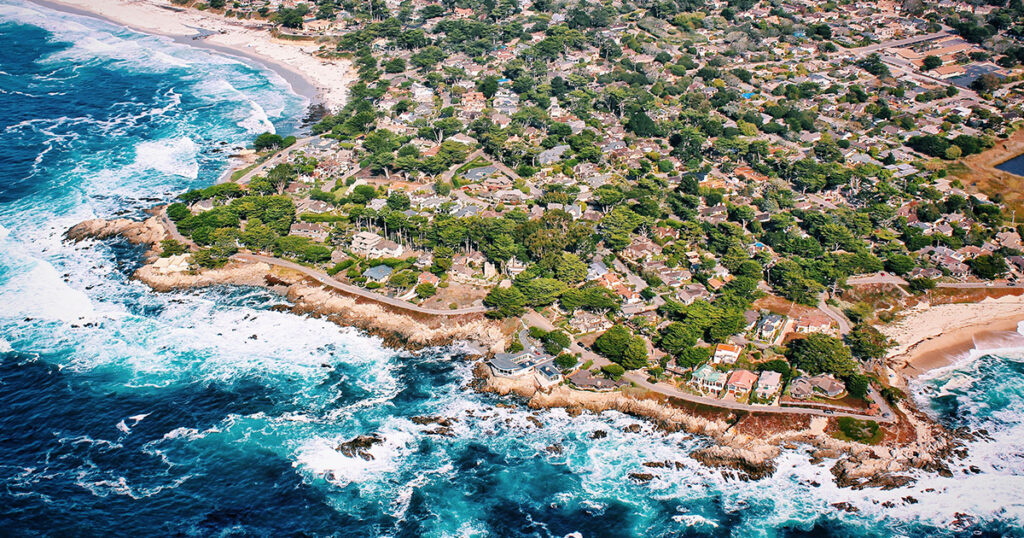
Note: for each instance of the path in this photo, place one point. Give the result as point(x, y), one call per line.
point(355, 290)
point(834, 313)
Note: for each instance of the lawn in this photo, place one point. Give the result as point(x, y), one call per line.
point(861, 431)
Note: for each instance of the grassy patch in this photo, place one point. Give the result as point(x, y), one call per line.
point(237, 174)
point(861, 431)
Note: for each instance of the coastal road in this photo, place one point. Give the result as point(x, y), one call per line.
point(355, 290)
point(172, 229)
point(278, 158)
point(640, 379)
point(834, 313)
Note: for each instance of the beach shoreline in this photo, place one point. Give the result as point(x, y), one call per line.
point(320, 81)
point(939, 336)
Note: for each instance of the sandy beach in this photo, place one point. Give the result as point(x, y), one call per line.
point(322, 81)
point(932, 337)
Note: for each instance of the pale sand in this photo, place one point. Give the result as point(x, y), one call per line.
point(931, 337)
point(326, 81)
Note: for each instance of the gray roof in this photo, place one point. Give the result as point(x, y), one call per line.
point(377, 272)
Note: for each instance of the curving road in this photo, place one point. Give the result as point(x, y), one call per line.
point(355, 290)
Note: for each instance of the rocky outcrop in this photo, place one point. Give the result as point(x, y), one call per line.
point(147, 232)
point(750, 464)
point(360, 446)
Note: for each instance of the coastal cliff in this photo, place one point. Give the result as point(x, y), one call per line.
point(744, 445)
point(398, 328)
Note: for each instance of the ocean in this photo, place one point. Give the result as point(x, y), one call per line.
point(210, 412)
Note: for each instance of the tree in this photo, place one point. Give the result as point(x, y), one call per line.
point(613, 371)
point(868, 342)
point(570, 268)
point(565, 361)
point(394, 65)
point(555, 341)
point(425, 290)
point(821, 354)
point(542, 291)
point(613, 342)
point(635, 356)
point(171, 247)
point(986, 83)
point(857, 385)
point(267, 141)
point(989, 266)
point(505, 302)
point(930, 62)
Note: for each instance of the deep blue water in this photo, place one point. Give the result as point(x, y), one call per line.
point(207, 412)
point(1013, 166)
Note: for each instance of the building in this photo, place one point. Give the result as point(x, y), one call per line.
point(511, 364)
point(378, 273)
point(769, 326)
point(548, 374)
point(316, 231)
point(805, 387)
point(371, 245)
point(741, 382)
point(768, 383)
point(726, 354)
point(708, 379)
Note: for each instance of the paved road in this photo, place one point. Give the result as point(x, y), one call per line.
point(900, 42)
point(834, 313)
point(897, 281)
point(278, 157)
point(640, 379)
point(172, 229)
point(355, 290)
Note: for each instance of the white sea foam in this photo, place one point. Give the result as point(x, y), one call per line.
point(175, 156)
point(5, 346)
point(321, 458)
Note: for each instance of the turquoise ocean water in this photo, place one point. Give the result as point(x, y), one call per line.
point(208, 413)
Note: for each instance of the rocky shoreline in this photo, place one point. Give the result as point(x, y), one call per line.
point(744, 447)
point(748, 451)
point(398, 329)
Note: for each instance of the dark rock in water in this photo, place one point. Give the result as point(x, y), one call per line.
point(440, 421)
point(632, 428)
point(910, 500)
point(599, 434)
point(641, 477)
point(888, 504)
point(974, 469)
point(254, 337)
point(440, 430)
point(746, 469)
point(656, 464)
point(536, 421)
point(846, 507)
point(555, 449)
point(360, 446)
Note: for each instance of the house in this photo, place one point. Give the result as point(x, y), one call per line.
point(641, 248)
point(178, 263)
point(814, 322)
point(692, 292)
point(378, 273)
point(596, 270)
point(709, 380)
point(548, 374)
point(805, 387)
point(726, 354)
point(371, 245)
point(511, 364)
point(316, 231)
point(769, 326)
point(768, 383)
point(741, 382)
point(586, 322)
